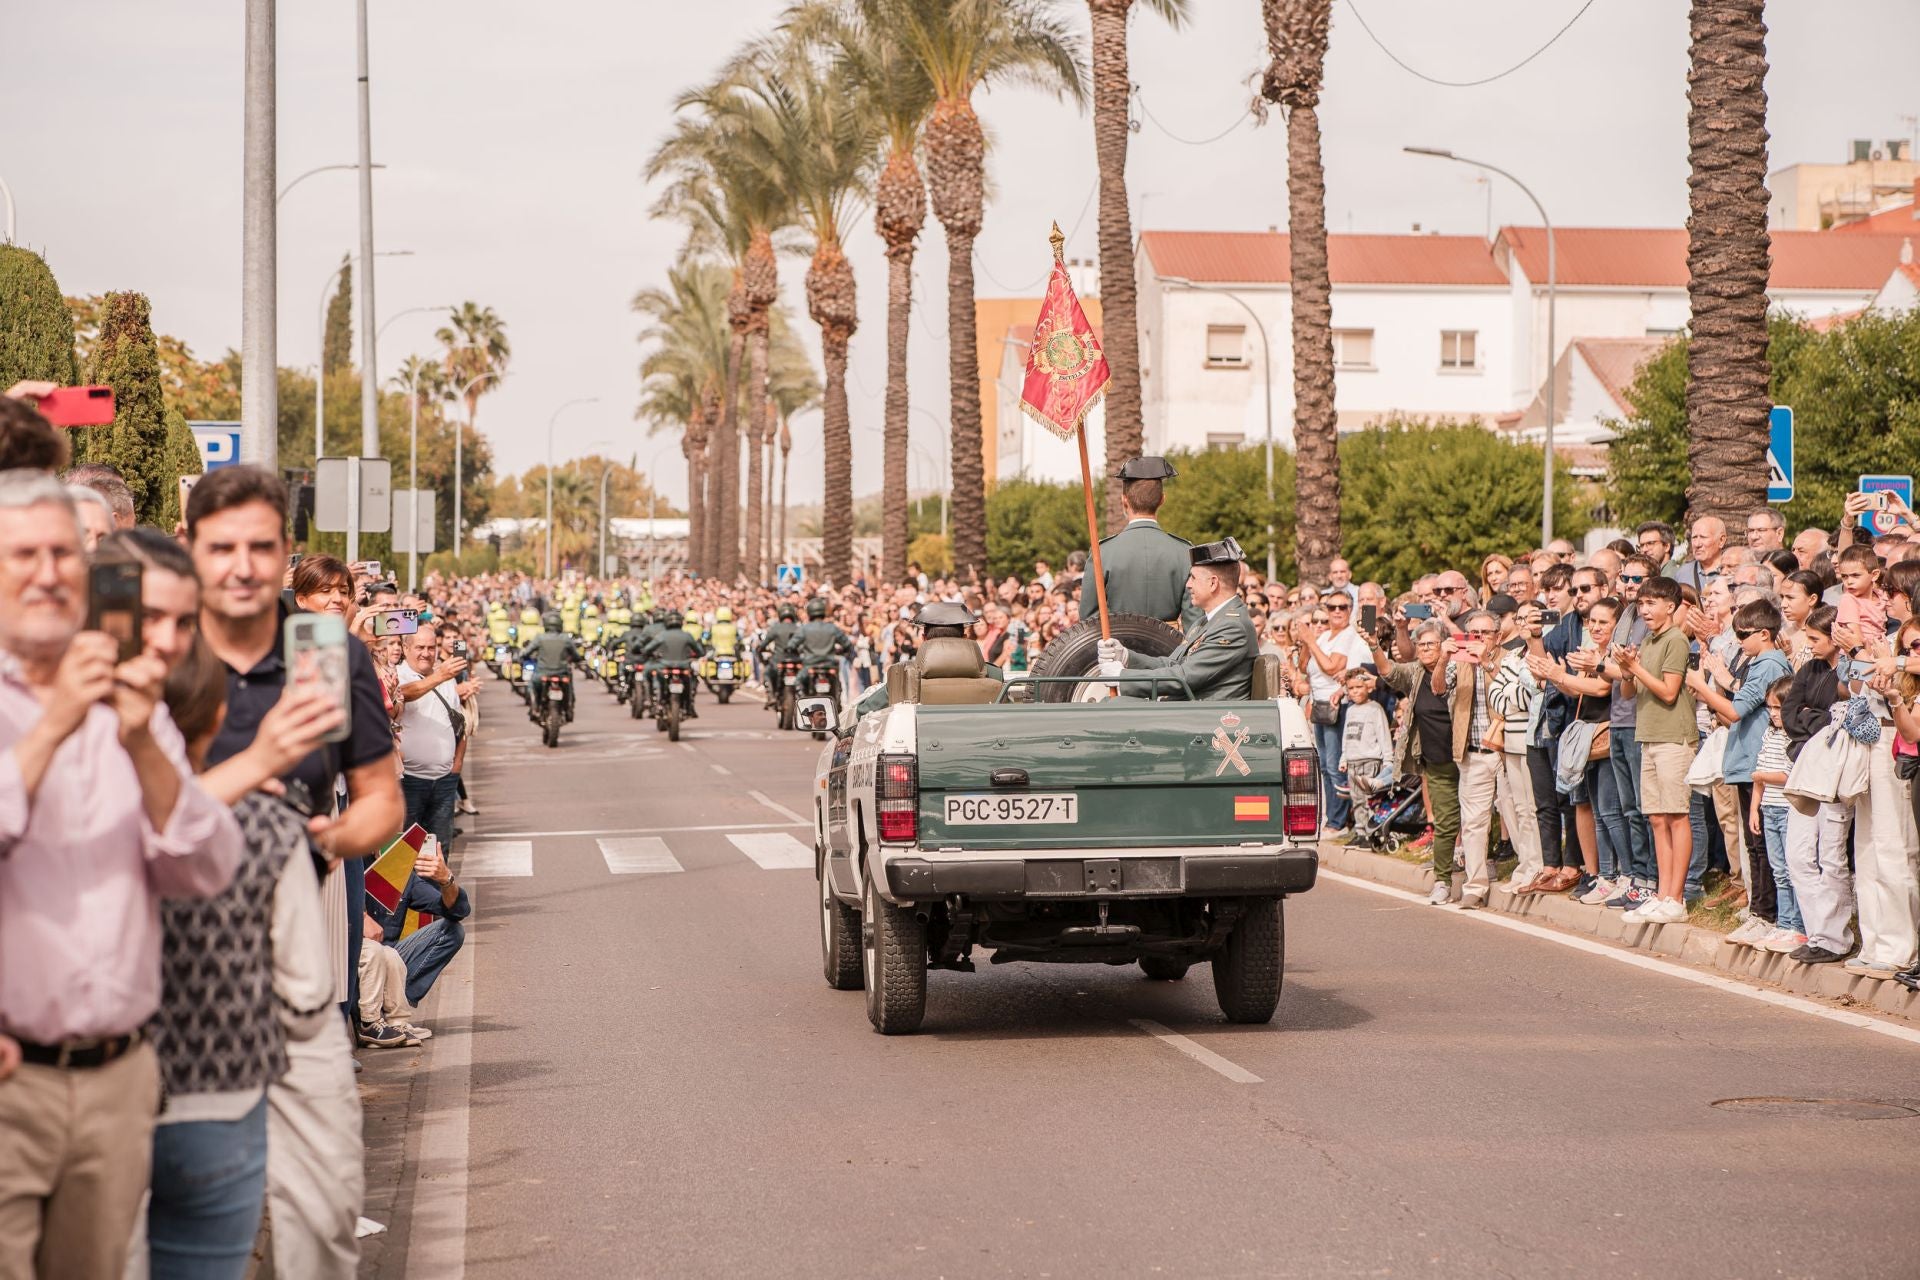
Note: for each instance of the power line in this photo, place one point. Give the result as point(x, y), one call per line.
point(1464, 84)
point(1146, 111)
point(981, 262)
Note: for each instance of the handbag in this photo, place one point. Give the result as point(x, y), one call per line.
point(1710, 761)
point(1599, 746)
point(1495, 738)
point(1323, 712)
point(454, 714)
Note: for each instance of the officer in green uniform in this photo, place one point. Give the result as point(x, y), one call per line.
point(1145, 566)
point(1217, 654)
point(550, 653)
point(773, 644)
point(819, 643)
point(677, 646)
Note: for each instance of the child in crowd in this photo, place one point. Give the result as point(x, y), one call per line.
point(1769, 817)
point(1668, 734)
point(1817, 842)
point(1366, 743)
point(1862, 608)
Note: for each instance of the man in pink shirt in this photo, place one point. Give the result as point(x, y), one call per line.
point(99, 819)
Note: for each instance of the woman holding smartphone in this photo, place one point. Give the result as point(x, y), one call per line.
point(1583, 678)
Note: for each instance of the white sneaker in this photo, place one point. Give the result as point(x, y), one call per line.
point(1668, 911)
point(1639, 914)
point(1782, 940)
point(1441, 895)
point(1750, 933)
point(1601, 891)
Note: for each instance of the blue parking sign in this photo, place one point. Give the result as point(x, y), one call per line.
point(219, 444)
point(1780, 454)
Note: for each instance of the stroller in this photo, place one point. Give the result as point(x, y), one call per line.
point(1392, 813)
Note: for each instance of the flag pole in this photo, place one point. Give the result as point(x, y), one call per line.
point(1086, 481)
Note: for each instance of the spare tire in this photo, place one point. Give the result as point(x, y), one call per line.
point(1073, 651)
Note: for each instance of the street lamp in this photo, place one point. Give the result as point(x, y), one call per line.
point(325, 168)
point(1266, 374)
point(1440, 153)
point(459, 439)
point(410, 311)
point(606, 471)
point(413, 473)
point(550, 421)
point(320, 366)
point(6, 193)
point(941, 478)
point(653, 500)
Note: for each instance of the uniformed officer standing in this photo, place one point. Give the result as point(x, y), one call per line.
point(1145, 566)
point(1216, 657)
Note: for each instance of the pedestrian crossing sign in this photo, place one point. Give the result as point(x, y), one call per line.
point(789, 577)
point(1780, 454)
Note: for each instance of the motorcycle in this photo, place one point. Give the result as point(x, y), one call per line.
point(790, 669)
point(722, 674)
point(552, 711)
point(676, 700)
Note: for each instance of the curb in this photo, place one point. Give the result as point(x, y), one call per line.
point(1689, 944)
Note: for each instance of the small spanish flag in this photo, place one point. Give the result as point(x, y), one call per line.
point(1252, 809)
point(387, 876)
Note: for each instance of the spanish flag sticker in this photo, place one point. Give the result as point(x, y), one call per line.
point(1251, 809)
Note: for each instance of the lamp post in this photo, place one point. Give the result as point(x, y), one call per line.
point(606, 471)
point(1440, 153)
point(320, 364)
point(653, 501)
point(459, 468)
point(410, 311)
point(942, 478)
point(259, 280)
point(550, 421)
point(1266, 375)
point(325, 168)
point(6, 194)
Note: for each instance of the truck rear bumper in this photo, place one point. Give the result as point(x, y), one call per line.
point(1265, 872)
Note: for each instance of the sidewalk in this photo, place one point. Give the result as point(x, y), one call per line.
point(1687, 943)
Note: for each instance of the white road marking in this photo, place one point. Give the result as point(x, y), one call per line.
point(437, 1243)
point(1199, 1053)
point(646, 855)
point(642, 831)
point(1729, 985)
point(774, 850)
point(720, 768)
point(780, 809)
point(492, 857)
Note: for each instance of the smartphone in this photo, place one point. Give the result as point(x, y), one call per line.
point(77, 406)
point(1549, 619)
point(460, 649)
point(366, 569)
point(1693, 660)
point(316, 657)
point(113, 605)
point(293, 561)
point(1879, 500)
point(395, 622)
point(1369, 618)
point(1417, 610)
point(186, 488)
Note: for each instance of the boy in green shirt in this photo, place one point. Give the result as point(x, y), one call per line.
point(1668, 733)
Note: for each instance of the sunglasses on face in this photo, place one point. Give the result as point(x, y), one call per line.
point(1343, 608)
point(1633, 579)
point(1482, 635)
point(1585, 588)
point(1738, 634)
point(1913, 646)
point(1447, 591)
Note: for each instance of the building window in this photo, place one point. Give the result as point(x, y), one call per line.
point(1226, 346)
point(1457, 349)
point(1353, 348)
point(1225, 439)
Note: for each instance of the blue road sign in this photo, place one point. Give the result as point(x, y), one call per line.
point(1876, 522)
point(219, 443)
point(1780, 455)
point(789, 577)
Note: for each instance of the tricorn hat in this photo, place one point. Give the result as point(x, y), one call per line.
point(1147, 469)
point(941, 613)
point(1226, 551)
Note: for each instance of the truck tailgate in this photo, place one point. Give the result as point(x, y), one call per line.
point(1115, 774)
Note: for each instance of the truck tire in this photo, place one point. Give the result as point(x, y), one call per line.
point(893, 965)
point(839, 939)
point(1164, 968)
point(1247, 970)
point(1072, 651)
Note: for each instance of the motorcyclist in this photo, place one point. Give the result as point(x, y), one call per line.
point(676, 646)
point(549, 653)
point(819, 643)
point(773, 646)
point(570, 614)
point(723, 641)
point(619, 618)
point(631, 648)
point(590, 623)
point(499, 628)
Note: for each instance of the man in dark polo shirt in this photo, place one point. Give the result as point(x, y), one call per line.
point(237, 532)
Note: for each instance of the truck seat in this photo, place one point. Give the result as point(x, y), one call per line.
point(1267, 684)
point(903, 684)
point(951, 672)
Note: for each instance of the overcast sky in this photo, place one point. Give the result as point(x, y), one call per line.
point(514, 136)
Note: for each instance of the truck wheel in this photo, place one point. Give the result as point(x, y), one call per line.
point(893, 960)
point(1246, 971)
point(839, 939)
point(1164, 968)
point(1072, 651)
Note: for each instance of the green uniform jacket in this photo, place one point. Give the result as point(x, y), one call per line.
point(673, 645)
point(1146, 572)
point(548, 653)
point(774, 643)
point(818, 641)
point(1216, 658)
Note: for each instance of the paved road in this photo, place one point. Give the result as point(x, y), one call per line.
point(662, 1085)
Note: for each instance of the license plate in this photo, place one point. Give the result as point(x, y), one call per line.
point(677, 687)
point(726, 671)
point(1056, 807)
point(821, 686)
point(557, 695)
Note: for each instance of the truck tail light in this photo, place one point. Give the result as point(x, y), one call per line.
point(896, 795)
point(1300, 810)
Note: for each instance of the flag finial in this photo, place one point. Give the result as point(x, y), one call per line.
point(1059, 244)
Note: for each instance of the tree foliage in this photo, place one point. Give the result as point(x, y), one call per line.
point(150, 447)
point(36, 330)
point(336, 347)
point(1030, 520)
point(1222, 493)
point(1855, 394)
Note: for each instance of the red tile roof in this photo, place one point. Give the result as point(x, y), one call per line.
point(1616, 361)
point(1654, 258)
point(1901, 219)
point(1261, 257)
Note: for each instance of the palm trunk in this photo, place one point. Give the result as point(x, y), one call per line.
point(900, 211)
point(756, 394)
point(766, 449)
point(832, 301)
point(696, 513)
point(724, 498)
point(1728, 258)
point(1120, 334)
point(956, 167)
point(786, 457)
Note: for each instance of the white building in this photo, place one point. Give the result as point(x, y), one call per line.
point(1025, 448)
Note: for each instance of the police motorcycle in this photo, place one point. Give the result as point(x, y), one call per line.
point(550, 684)
point(645, 696)
point(675, 680)
point(778, 670)
point(725, 666)
point(818, 647)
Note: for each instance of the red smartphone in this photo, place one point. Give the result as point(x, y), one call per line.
point(77, 406)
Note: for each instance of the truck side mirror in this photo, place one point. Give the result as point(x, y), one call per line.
point(815, 714)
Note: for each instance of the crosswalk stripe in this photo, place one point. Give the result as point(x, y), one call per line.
point(773, 850)
point(638, 855)
point(498, 858)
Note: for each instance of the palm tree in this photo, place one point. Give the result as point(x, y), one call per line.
point(897, 92)
point(1112, 95)
point(792, 387)
point(1728, 258)
point(1297, 42)
point(477, 353)
point(684, 377)
point(812, 131)
point(963, 45)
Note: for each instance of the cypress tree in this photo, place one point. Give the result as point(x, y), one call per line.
point(336, 351)
point(36, 332)
point(126, 359)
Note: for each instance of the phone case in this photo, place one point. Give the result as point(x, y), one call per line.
point(316, 655)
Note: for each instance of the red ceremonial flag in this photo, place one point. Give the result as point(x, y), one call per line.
point(1066, 370)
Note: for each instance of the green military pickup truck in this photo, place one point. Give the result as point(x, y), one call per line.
point(968, 813)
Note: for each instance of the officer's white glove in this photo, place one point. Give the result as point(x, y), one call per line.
point(1113, 658)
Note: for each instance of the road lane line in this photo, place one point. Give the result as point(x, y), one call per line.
point(1730, 985)
point(495, 857)
point(437, 1239)
point(641, 855)
point(643, 831)
point(720, 768)
point(1199, 1053)
point(774, 850)
point(780, 809)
